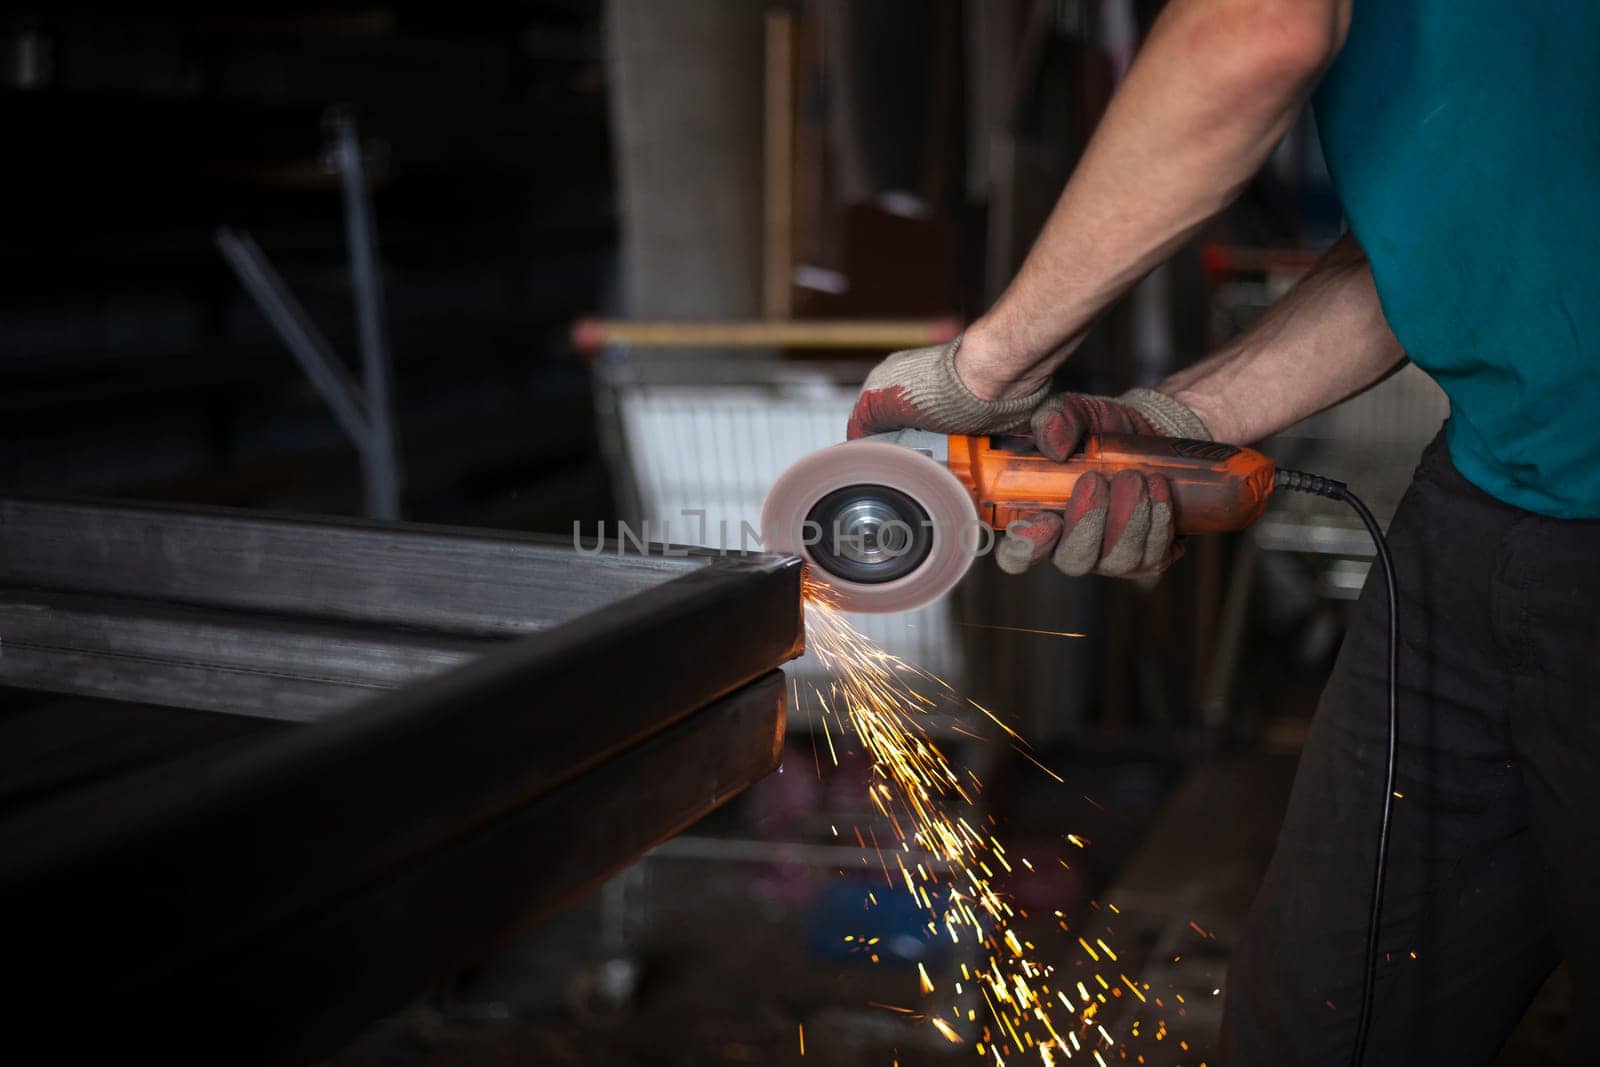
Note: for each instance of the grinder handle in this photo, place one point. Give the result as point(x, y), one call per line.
point(1215, 487)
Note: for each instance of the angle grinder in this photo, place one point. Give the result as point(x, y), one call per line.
point(890, 522)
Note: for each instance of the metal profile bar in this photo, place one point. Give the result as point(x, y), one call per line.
point(365, 413)
point(405, 774)
point(302, 983)
point(298, 333)
point(226, 610)
point(523, 865)
point(454, 580)
point(265, 666)
point(1314, 535)
point(380, 457)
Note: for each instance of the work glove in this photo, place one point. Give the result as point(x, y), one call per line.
point(1120, 526)
point(920, 388)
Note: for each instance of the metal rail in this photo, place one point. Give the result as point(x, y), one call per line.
point(176, 918)
point(381, 456)
point(296, 618)
point(548, 717)
point(365, 411)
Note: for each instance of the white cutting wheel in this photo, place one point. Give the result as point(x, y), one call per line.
point(958, 534)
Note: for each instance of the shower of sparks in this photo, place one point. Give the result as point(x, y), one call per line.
point(1029, 1007)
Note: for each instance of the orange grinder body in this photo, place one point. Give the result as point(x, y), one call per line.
point(1216, 488)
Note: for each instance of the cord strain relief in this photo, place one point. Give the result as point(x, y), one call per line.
point(1301, 482)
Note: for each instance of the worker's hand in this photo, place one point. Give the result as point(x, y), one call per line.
point(1119, 526)
point(920, 388)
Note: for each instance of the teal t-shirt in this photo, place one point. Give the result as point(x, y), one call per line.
point(1463, 137)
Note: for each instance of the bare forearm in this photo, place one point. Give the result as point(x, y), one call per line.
point(1324, 340)
point(1211, 92)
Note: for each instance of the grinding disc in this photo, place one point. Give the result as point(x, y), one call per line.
point(957, 533)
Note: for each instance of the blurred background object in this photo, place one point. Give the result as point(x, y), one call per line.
point(136, 364)
point(627, 261)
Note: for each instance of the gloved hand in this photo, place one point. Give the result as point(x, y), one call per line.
point(1120, 527)
point(920, 388)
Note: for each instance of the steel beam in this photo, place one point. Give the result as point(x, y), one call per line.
point(365, 412)
point(473, 742)
point(483, 582)
point(380, 456)
point(298, 334)
point(292, 985)
point(542, 717)
point(177, 656)
point(226, 610)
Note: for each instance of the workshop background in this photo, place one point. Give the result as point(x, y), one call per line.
point(566, 208)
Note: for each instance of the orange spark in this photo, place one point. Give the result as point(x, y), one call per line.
point(884, 703)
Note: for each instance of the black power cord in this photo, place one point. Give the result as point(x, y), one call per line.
point(1311, 483)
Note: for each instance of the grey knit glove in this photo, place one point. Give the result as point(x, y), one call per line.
point(919, 388)
point(1119, 526)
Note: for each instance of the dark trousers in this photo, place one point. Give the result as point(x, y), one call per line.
point(1494, 861)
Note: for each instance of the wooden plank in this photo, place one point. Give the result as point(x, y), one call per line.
point(591, 335)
